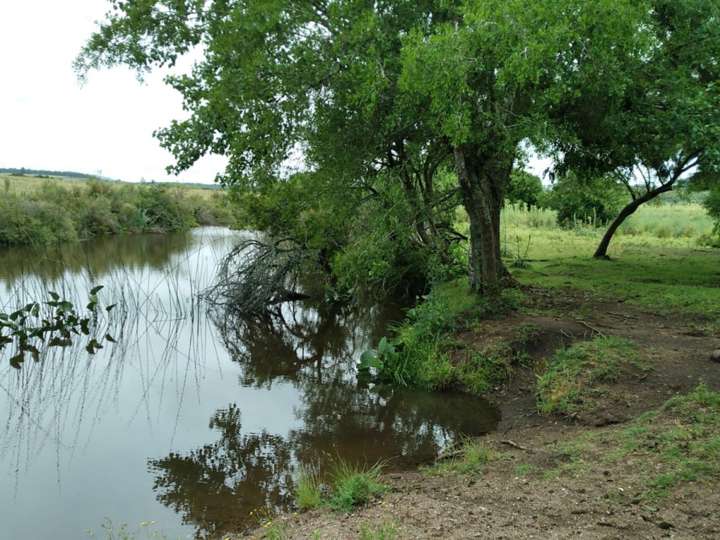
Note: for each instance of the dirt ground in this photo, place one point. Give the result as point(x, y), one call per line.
point(603, 501)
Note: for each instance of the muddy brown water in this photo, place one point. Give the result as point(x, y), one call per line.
point(195, 421)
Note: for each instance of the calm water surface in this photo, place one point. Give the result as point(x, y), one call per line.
point(194, 420)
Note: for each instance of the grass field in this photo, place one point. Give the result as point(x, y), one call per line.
point(659, 259)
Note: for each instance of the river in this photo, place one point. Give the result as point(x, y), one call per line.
point(194, 421)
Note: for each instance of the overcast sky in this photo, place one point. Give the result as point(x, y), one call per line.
point(48, 120)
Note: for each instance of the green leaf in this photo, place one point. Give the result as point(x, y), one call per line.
point(96, 290)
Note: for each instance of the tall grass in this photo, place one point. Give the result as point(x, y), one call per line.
point(50, 211)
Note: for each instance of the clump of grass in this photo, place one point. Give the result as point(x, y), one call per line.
point(354, 486)
point(574, 373)
point(308, 493)
point(350, 486)
point(471, 458)
point(386, 531)
point(275, 530)
point(418, 354)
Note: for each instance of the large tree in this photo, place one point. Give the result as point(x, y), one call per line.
point(356, 87)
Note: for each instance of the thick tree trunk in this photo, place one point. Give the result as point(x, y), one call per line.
point(482, 182)
point(629, 210)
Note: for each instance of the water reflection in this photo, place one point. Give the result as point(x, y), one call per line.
point(194, 419)
point(220, 486)
point(98, 257)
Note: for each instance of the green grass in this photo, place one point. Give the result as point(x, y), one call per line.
point(471, 459)
point(385, 531)
point(659, 259)
point(350, 486)
point(307, 493)
point(354, 486)
point(677, 444)
point(574, 373)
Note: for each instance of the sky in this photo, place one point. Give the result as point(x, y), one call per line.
point(49, 120)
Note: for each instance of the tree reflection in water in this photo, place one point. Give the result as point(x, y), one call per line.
point(217, 487)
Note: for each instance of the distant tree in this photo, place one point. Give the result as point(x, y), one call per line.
point(524, 188)
point(590, 201)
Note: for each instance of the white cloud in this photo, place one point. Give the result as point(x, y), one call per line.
point(48, 120)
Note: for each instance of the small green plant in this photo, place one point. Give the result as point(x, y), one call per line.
point(471, 459)
point(354, 486)
point(275, 530)
point(51, 324)
point(386, 531)
point(308, 494)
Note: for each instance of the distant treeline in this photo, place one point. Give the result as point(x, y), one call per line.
point(43, 172)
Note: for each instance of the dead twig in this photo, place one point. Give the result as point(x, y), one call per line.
point(591, 328)
point(508, 442)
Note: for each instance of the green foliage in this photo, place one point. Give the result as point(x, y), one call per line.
point(712, 203)
point(594, 201)
point(55, 323)
point(573, 374)
point(307, 492)
point(54, 211)
point(354, 486)
point(526, 189)
point(419, 353)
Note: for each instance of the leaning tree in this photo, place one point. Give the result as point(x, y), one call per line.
point(358, 86)
point(665, 125)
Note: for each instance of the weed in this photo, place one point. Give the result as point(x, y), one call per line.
point(525, 469)
point(470, 459)
point(386, 531)
point(574, 373)
point(275, 530)
point(354, 486)
point(308, 493)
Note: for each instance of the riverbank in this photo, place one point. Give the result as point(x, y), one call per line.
point(49, 211)
point(611, 413)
